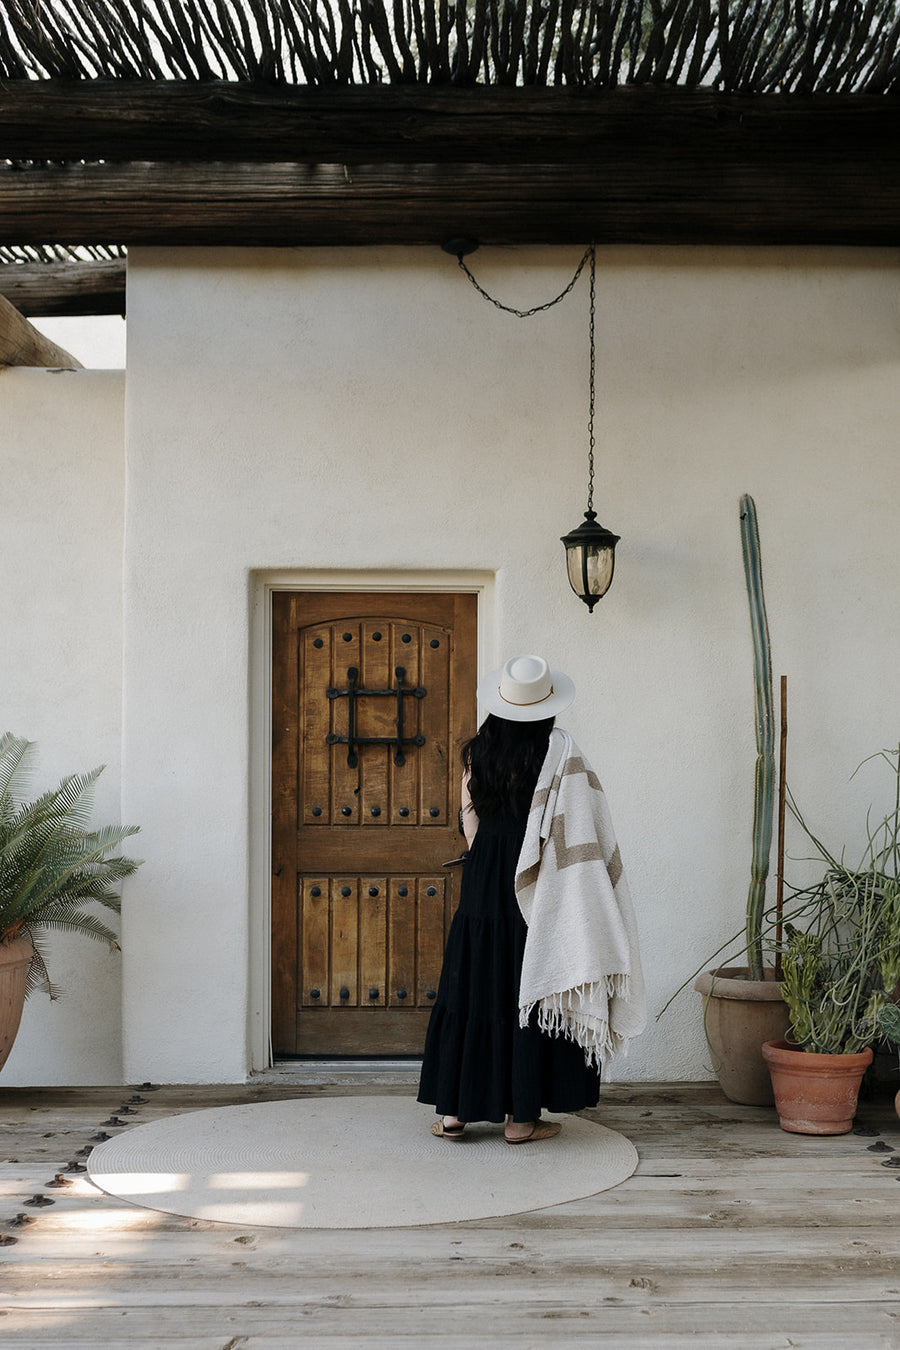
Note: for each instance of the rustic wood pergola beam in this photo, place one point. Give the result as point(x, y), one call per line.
point(656, 197)
point(22, 345)
point(209, 163)
point(65, 288)
point(168, 121)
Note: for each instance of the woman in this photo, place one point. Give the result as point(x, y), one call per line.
point(479, 1063)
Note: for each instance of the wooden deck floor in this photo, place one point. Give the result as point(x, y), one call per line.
point(731, 1234)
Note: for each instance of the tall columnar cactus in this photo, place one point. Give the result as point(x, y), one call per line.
point(764, 783)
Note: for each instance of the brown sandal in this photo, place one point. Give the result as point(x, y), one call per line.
point(442, 1131)
point(543, 1129)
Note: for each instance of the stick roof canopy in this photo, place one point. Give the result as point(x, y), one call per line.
point(308, 122)
point(749, 46)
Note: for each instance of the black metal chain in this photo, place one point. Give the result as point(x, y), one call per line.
point(590, 504)
point(538, 309)
point(590, 252)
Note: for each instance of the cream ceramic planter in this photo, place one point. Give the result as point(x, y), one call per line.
point(15, 958)
point(739, 1015)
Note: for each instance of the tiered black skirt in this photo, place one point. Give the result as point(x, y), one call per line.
point(479, 1064)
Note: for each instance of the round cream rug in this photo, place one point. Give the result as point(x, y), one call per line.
point(350, 1162)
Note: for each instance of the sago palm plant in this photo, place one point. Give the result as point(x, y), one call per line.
point(52, 864)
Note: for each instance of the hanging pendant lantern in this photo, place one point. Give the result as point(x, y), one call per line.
point(590, 548)
point(590, 559)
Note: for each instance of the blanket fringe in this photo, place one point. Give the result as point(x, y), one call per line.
point(564, 1014)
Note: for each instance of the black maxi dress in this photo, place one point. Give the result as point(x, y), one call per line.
point(478, 1063)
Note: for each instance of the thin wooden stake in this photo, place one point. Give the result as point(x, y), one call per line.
point(782, 793)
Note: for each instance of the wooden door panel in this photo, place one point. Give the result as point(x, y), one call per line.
point(314, 927)
point(401, 942)
point(315, 718)
point(434, 779)
point(431, 913)
point(327, 850)
point(342, 1031)
point(344, 942)
point(373, 943)
point(373, 697)
point(376, 717)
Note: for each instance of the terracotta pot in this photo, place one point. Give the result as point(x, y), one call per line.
point(15, 959)
point(815, 1094)
point(739, 1014)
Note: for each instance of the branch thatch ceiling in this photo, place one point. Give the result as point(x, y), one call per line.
point(749, 46)
point(308, 122)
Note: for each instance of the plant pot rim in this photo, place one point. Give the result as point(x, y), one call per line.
point(780, 1052)
point(11, 952)
point(734, 982)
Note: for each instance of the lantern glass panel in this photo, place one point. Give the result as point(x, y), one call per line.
point(588, 562)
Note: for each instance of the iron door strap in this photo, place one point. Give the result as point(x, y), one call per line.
point(354, 692)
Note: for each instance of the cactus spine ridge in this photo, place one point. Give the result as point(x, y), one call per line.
point(764, 704)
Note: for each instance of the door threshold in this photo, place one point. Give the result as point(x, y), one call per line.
point(342, 1072)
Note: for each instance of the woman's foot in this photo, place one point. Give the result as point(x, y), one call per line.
point(529, 1131)
point(448, 1127)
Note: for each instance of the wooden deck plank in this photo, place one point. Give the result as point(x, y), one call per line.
point(861, 1337)
point(860, 1326)
point(82, 1250)
point(375, 1299)
point(731, 1233)
point(76, 1226)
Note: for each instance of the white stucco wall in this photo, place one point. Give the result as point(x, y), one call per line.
point(61, 520)
point(297, 410)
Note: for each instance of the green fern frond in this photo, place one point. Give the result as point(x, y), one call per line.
point(38, 978)
point(80, 921)
point(51, 863)
point(16, 758)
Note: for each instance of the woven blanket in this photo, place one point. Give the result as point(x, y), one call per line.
point(581, 968)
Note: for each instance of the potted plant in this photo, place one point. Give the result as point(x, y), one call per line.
point(52, 867)
point(742, 1005)
point(841, 962)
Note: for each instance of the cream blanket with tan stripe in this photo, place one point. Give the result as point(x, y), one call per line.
point(582, 967)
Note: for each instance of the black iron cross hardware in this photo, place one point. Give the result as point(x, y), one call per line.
point(351, 740)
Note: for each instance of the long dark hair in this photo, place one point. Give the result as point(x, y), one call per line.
point(504, 759)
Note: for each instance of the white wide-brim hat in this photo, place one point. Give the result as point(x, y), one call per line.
point(525, 690)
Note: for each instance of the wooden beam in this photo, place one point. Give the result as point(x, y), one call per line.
point(240, 164)
point(168, 121)
point(655, 197)
point(22, 345)
point(65, 288)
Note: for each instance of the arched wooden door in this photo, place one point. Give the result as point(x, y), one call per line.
point(373, 696)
